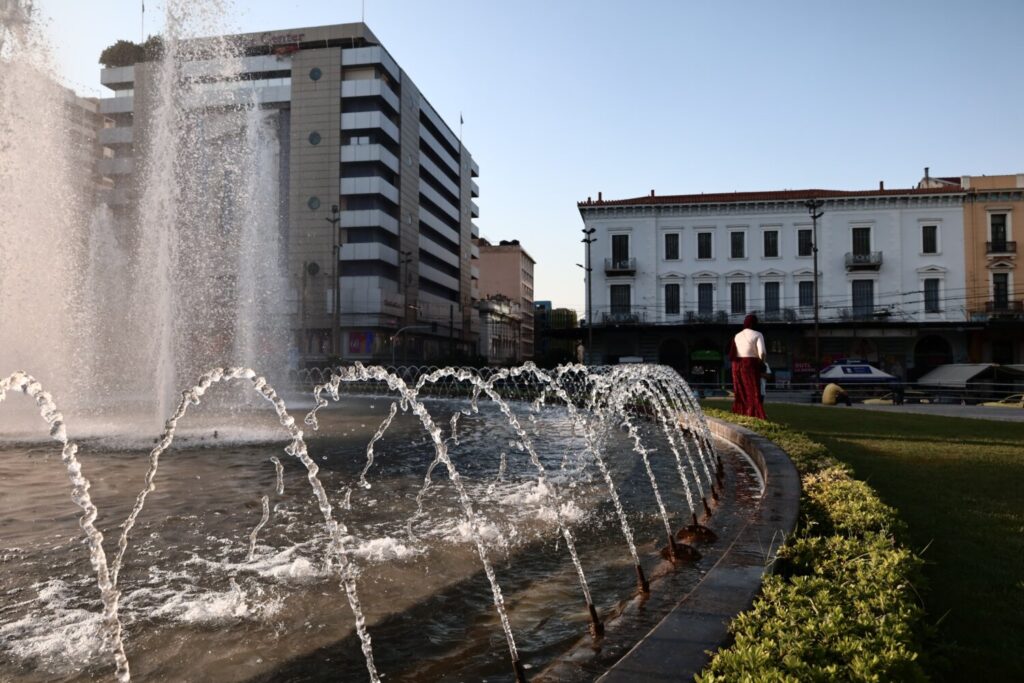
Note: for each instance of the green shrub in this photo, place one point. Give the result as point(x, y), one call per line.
point(842, 604)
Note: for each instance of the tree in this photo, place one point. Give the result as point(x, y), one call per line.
point(127, 53)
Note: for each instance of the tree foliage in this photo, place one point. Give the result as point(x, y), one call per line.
point(127, 53)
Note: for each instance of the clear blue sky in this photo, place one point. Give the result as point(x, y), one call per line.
point(564, 98)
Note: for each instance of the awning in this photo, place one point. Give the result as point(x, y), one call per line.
point(959, 374)
point(855, 371)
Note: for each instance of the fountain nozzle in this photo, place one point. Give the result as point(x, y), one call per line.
point(707, 508)
point(641, 580)
point(695, 532)
point(596, 627)
point(517, 666)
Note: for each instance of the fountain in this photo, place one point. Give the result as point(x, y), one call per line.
point(475, 522)
point(529, 455)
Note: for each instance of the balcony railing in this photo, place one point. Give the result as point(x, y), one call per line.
point(870, 260)
point(1004, 307)
point(622, 266)
point(1002, 247)
point(623, 318)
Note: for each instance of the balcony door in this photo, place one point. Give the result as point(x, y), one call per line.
point(1001, 291)
point(863, 297)
point(862, 242)
point(998, 230)
point(620, 250)
point(620, 300)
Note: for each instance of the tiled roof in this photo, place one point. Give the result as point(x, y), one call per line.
point(769, 196)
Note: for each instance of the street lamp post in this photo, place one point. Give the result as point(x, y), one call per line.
point(334, 220)
point(588, 239)
point(394, 337)
point(813, 206)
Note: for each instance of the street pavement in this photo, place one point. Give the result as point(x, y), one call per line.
point(944, 409)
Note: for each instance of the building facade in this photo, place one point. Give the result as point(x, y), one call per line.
point(507, 269)
point(993, 210)
point(500, 330)
point(672, 277)
point(376, 192)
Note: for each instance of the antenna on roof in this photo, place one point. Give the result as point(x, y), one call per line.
point(362, 16)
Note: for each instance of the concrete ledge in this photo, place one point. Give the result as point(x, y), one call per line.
point(681, 645)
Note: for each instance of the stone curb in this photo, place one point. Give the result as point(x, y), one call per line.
point(681, 645)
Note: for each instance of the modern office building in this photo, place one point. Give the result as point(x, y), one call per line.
point(507, 269)
point(360, 148)
point(85, 127)
point(673, 276)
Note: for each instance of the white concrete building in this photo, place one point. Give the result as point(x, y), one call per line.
point(672, 276)
point(885, 254)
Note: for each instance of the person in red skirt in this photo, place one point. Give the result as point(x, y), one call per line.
point(747, 355)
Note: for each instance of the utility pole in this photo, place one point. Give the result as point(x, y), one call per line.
point(813, 206)
point(588, 239)
point(334, 220)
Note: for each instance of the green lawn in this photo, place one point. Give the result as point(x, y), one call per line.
point(959, 485)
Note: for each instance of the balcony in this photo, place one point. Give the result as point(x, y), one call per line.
point(371, 87)
point(1008, 308)
point(622, 266)
point(117, 105)
point(778, 315)
point(623, 318)
point(114, 166)
point(1000, 248)
point(369, 218)
point(122, 135)
point(366, 120)
point(872, 260)
point(369, 185)
point(364, 153)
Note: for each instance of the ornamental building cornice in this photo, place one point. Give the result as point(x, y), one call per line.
point(720, 208)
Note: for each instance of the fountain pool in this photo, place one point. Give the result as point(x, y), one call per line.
point(214, 588)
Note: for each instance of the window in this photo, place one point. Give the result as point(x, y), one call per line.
point(806, 292)
point(804, 242)
point(672, 299)
point(931, 296)
point(771, 297)
point(705, 298)
point(863, 297)
point(672, 246)
point(1001, 290)
point(620, 300)
point(771, 243)
point(737, 244)
point(704, 245)
point(738, 298)
point(929, 239)
point(862, 241)
point(997, 226)
point(620, 250)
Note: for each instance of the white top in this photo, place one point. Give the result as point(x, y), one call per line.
point(750, 344)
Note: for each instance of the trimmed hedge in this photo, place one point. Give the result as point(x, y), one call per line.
point(842, 603)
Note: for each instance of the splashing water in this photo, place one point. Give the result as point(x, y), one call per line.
point(595, 402)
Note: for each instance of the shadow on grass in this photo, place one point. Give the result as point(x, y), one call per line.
point(956, 483)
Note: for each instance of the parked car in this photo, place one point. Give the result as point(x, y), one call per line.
point(1015, 401)
point(908, 397)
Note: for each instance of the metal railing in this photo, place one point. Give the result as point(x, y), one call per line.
point(622, 265)
point(1004, 307)
point(1001, 247)
point(623, 318)
point(872, 259)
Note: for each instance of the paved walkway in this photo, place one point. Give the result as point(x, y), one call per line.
point(944, 409)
